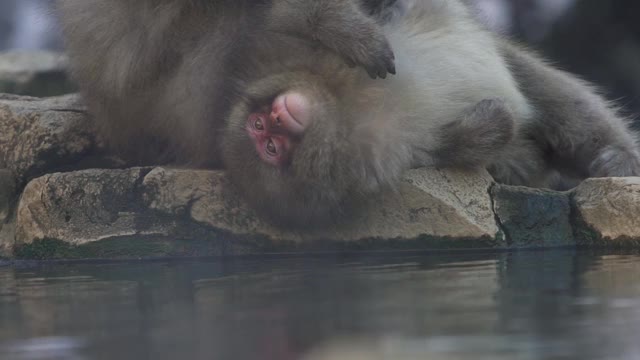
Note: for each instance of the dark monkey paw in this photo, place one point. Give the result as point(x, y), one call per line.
point(370, 49)
point(342, 27)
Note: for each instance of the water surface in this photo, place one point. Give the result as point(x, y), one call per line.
point(540, 305)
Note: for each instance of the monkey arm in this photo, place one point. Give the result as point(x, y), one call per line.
point(340, 25)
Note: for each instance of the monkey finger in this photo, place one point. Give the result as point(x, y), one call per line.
point(383, 66)
point(372, 73)
point(391, 68)
point(375, 55)
point(390, 65)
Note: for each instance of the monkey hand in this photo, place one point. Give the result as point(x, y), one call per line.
point(370, 49)
point(339, 25)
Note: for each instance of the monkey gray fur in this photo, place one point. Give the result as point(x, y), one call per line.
point(463, 97)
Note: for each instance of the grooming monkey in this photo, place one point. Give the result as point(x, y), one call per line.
point(158, 75)
point(304, 135)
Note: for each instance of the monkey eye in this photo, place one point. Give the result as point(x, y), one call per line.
point(272, 149)
point(258, 124)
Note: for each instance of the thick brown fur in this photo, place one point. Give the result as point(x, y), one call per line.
point(159, 75)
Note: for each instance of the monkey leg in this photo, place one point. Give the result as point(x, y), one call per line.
point(586, 140)
point(485, 136)
point(578, 132)
point(477, 137)
point(521, 163)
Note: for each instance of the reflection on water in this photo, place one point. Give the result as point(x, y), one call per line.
point(543, 305)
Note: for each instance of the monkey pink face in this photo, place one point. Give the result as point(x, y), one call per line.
point(276, 131)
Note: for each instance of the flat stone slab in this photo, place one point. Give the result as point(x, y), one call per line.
point(171, 212)
point(8, 198)
point(443, 204)
point(158, 212)
point(8, 193)
point(533, 218)
point(38, 136)
point(607, 212)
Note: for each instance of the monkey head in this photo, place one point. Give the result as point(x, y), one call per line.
point(277, 129)
point(287, 149)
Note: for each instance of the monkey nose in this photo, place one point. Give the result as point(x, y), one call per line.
point(291, 111)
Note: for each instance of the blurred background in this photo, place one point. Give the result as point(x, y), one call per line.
point(28, 24)
point(597, 39)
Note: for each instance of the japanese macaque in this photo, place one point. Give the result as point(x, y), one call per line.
point(325, 136)
point(158, 75)
point(271, 91)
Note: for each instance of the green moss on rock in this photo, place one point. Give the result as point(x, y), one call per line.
point(138, 247)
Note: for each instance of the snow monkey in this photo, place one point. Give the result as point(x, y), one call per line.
point(325, 135)
point(157, 75)
point(276, 92)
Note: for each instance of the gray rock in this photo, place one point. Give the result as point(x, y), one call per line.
point(441, 204)
point(607, 211)
point(151, 212)
point(7, 238)
point(7, 193)
point(40, 135)
point(34, 73)
point(164, 207)
point(82, 207)
point(533, 217)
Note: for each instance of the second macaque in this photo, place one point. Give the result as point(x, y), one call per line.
point(313, 137)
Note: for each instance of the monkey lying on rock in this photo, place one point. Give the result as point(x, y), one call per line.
point(269, 89)
point(160, 75)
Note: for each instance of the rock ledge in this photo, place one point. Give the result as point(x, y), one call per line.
point(54, 203)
